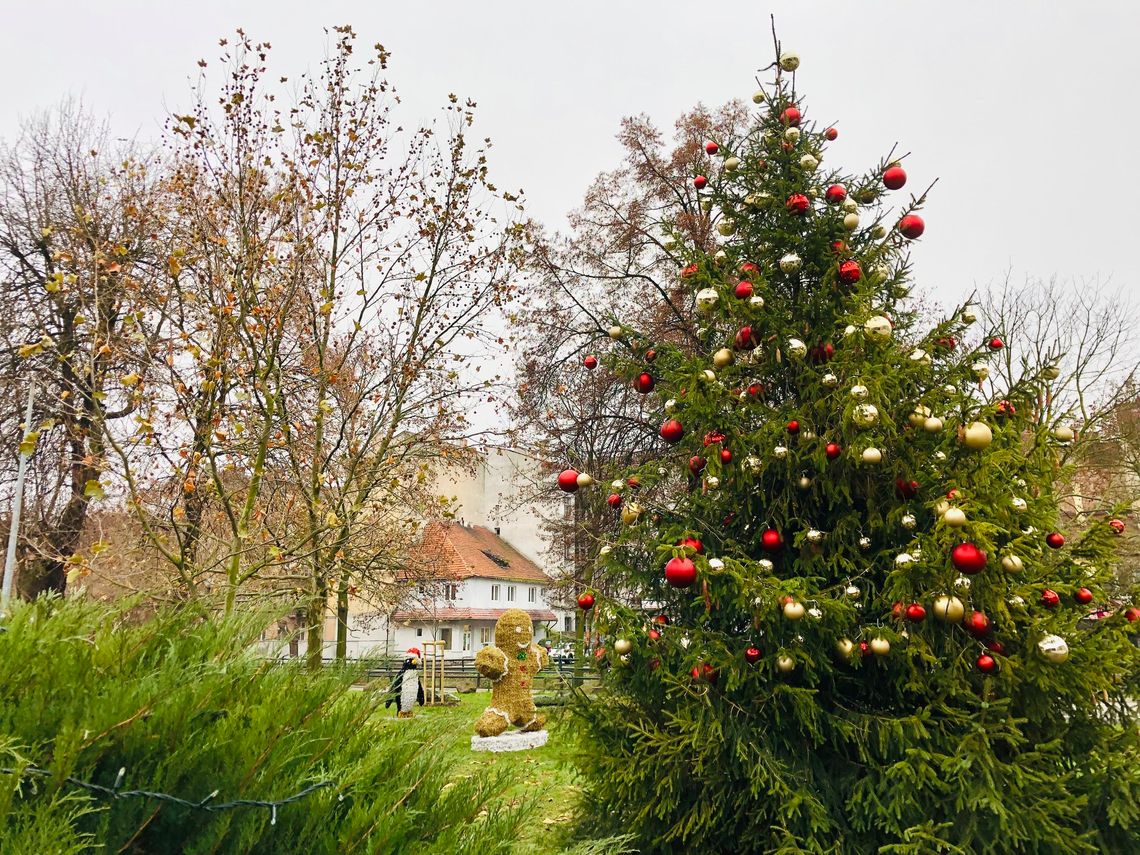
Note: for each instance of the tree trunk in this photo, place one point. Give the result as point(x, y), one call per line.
point(342, 620)
point(315, 633)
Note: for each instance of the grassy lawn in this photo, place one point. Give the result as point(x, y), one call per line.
point(543, 776)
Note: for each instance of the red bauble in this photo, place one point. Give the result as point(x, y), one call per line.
point(743, 289)
point(700, 181)
point(996, 343)
point(832, 450)
point(688, 271)
point(865, 649)
point(680, 572)
point(644, 383)
point(745, 339)
point(915, 613)
point(987, 664)
point(755, 390)
point(748, 268)
point(1132, 615)
point(712, 437)
point(1055, 540)
point(894, 177)
point(793, 426)
point(967, 558)
point(568, 480)
point(1117, 526)
point(905, 489)
point(1005, 408)
point(590, 362)
point(672, 431)
point(752, 655)
point(653, 635)
point(709, 673)
point(791, 116)
point(725, 456)
point(831, 134)
point(693, 543)
point(912, 226)
point(661, 620)
point(977, 624)
point(835, 194)
point(1083, 596)
point(696, 463)
point(996, 646)
point(798, 203)
point(633, 481)
point(585, 601)
point(711, 147)
point(948, 342)
point(850, 272)
point(1049, 598)
point(614, 500)
point(822, 352)
point(771, 540)
point(650, 355)
point(839, 247)
point(897, 609)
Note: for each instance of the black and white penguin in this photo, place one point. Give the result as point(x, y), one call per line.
point(406, 690)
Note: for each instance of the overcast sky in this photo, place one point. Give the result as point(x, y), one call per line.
point(1026, 112)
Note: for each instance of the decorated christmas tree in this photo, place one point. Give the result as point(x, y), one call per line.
point(842, 610)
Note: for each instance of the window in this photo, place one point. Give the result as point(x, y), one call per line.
point(445, 637)
point(532, 594)
point(451, 592)
point(420, 631)
point(485, 635)
point(466, 638)
point(569, 624)
point(510, 593)
point(494, 592)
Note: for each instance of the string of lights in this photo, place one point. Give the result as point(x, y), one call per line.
point(115, 791)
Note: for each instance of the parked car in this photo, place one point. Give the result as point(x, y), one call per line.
point(562, 653)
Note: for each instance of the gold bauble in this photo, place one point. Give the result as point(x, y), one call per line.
point(919, 416)
point(949, 609)
point(954, 517)
point(794, 610)
point(615, 331)
point(785, 664)
point(1012, 564)
point(1054, 648)
point(1064, 433)
point(932, 424)
point(845, 647)
point(976, 436)
point(630, 512)
point(872, 455)
point(623, 645)
point(722, 358)
point(880, 646)
point(585, 480)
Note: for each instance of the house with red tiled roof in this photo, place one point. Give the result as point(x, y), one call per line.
point(459, 579)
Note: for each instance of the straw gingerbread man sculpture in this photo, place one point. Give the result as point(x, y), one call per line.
point(510, 664)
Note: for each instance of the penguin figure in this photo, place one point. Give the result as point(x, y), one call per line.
point(406, 690)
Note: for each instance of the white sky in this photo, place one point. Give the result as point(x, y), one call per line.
point(1026, 111)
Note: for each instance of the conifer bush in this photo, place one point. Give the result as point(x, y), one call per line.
point(184, 702)
point(842, 611)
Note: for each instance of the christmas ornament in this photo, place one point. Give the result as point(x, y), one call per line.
point(919, 416)
point(726, 227)
point(976, 436)
point(725, 456)
point(785, 664)
point(932, 424)
point(794, 610)
point(804, 483)
point(1054, 648)
point(585, 480)
point(792, 135)
point(1012, 564)
point(880, 646)
point(1064, 433)
point(585, 601)
point(832, 450)
point(978, 624)
point(630, 513)
point(644, 383)
point(1117, 526)
point(809, 162)
point(864, 543)
point(1132, 615)
point(706, 299)
point(756, 301)
point(797, 203)
point(732, 163)
point(771, 540)
point(743, 290)
point(779, 452)
point(590, 362)
point(765, 565)
point(905, 489)
point(758, 96)
point(814, 535)
point(622, 646)
point(1050, 598)
point(986, 664)
point(700, 182)
point(908, 521)
point(877, 328)
point(568, 480)
point(789, 60)
point(850, 206)
point(1018, 504)
point(850, 222)
point(996, 343)
point(722, 358)
point(967, 558)
point(859, 392)
point(845, 647)
point(850, 272)
point(614, 500)
point(911, 226)
point(915, 613)
point(954, 517)
point(790, 116)
point(790, 263)
point(949, 609)
point(831, 134)
point(672, 431)
point(904, 560)
point(835, 194)
point(865, 415)
point(796, 349)
point(793, 426)
point(680, 572)
point(829, 380)
point(894, 177)
point(969, 316)
point(615, 332)
point(696, 464)
point(1083, 596)
point(752, 654)
point(753, 463)
point(1054, 540)
point(871, 455)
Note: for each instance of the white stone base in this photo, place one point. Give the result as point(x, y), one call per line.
point(512, 741)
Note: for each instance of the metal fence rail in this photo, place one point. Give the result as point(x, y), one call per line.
point(462, 671)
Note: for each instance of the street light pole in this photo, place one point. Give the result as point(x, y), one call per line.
point(17, 506)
